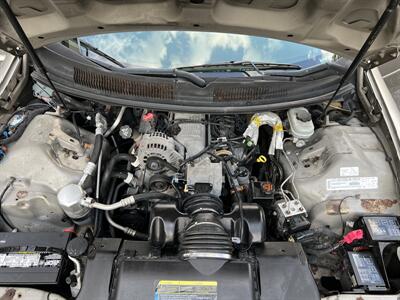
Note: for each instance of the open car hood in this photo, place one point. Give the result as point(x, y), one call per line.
point(339, 26)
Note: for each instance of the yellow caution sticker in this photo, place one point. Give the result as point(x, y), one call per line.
point(186, 290)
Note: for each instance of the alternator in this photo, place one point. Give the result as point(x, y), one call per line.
point(160, 145)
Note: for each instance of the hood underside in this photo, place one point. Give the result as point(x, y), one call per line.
point(339, 26)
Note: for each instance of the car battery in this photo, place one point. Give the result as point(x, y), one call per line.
point(32, 258)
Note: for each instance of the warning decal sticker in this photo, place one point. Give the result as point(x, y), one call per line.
point(186, 290)
point(29, 259)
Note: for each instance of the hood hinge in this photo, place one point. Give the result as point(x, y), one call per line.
point(10, 45)
point(381, 57)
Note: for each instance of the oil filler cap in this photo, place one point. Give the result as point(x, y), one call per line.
point(77, 247)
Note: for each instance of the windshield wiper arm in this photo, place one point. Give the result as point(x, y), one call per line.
point(168, 73)
point(241, 66)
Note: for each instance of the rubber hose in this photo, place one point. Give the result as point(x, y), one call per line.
point(113, 199)
point(141, 236)
point(110, 167)
point(98, 144)
point(148, 197)
point(152, 195)
point(119, 175)
point(99, 214)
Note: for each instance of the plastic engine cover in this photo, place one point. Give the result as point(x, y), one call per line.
point(342, 170)
point(278, 271)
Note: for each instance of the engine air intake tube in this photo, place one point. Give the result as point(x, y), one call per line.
point(202, 203)
point(204, 237)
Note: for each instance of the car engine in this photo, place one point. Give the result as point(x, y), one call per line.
point(160, 201)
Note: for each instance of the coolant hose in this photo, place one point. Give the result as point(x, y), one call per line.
point(108, 172)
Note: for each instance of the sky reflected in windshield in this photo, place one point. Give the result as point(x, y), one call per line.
point(170, 49)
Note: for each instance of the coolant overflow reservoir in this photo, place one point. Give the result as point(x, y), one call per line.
point(301, 125)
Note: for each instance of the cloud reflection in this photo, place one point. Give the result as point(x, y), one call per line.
point(169, 49)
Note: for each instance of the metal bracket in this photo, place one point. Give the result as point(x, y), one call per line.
point(381, 57)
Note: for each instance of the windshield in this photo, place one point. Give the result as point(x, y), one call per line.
point(173, 49)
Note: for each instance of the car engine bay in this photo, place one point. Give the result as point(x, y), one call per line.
point(147, 203)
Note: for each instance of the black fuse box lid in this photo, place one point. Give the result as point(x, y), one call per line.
point(366, 271)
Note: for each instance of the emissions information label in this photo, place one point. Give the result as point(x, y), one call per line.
point(186, 290)
point(351, 183)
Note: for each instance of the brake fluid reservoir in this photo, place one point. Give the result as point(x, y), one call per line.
point(301, 125)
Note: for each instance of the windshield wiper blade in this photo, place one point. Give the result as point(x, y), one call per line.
point(240, 66)
point(92, 48)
